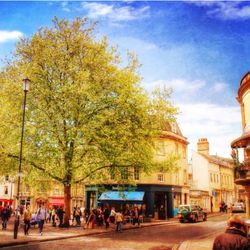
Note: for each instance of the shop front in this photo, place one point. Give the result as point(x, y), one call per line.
point(156, 201)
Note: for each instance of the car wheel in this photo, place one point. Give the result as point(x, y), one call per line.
point(195, 219)
point(204, 217)
point(181, 221)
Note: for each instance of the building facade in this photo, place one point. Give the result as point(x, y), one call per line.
point(212, 178)
point(163, 192)
point(242, 170)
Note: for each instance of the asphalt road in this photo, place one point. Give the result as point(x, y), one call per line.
point(161, 237)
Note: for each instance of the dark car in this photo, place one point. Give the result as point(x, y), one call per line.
point(191, 213)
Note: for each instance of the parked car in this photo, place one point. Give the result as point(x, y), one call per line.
point(238, 207)
point(191, 213)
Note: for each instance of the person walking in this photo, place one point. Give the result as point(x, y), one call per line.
point(60, 213)
point(90, 224)
point(41, 216)
point(5, 215)
point(53, 217)
point(106, 214)
point(77, 216)
point(235, 236)
point(112, 215)
point(136, 216)
point(119, 221)
point(27, 215)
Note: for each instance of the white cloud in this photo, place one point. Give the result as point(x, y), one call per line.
point(202, 115)
point(186, 86)
point(226, 9)
point(65, 6)
point(218, 87)
point(127, 13)
point(219, 124)
point(6, 35)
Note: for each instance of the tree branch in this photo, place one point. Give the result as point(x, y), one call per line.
point(37, 167)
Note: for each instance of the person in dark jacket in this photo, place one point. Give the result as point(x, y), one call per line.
point(235, 236)
point(5, 215)
point(60, 213)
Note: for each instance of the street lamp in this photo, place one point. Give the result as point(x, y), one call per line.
point(26, 83)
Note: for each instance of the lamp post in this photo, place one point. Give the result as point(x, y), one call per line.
point(26, 83)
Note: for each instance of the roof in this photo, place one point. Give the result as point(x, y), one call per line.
point(172, 130)
point(222, 161)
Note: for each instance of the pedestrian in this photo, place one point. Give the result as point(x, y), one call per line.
point(235, 236)
point(60, 213)
point(136, 215)
point(41, 216)
point(119, 221)
point(53, 217)
point(50, 215)
point(27, 215)
point(91, 220)
point(106, 214)
point(112, 215)
point(5, 215)
point(77, 215)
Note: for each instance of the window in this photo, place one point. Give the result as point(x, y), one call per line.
point(160, 148)
point(160, 177)
point(136, 173)
point(185, 177)
point(176, 148)
point(6, 190)
point(56, 191)
point(124, 174)
point(174, 127)
point(184, 152)
point(112, 174)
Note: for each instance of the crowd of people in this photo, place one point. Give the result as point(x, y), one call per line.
point(86, 218)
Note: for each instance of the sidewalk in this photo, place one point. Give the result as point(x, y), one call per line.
point(56, 233)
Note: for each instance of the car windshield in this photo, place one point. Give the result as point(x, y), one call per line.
point(184, 208)
point(241, 204)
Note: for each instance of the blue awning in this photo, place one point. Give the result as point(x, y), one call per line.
point(135, 197)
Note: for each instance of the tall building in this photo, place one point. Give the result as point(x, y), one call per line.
point(243, 142)
point(212, 178)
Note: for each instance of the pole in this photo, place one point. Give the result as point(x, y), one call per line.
point(17, 215)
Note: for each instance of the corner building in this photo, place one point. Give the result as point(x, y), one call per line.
point(162, 192)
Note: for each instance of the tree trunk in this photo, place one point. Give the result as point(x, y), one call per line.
point(67, 209)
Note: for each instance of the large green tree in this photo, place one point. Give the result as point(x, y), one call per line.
point(87, 116)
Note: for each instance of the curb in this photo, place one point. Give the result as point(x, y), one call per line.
point(172, 221)
point(16, 243)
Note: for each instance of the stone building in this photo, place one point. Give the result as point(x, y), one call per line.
point(162, 192)
point(212, 178)
point(242, 173)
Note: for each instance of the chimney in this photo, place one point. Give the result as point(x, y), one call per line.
point(203, 146)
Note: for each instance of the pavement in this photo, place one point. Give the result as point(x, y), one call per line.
point(56, 233)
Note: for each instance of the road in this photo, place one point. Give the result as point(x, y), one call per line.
point(161, 237)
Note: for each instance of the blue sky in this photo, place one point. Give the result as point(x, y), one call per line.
point(201, 49)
